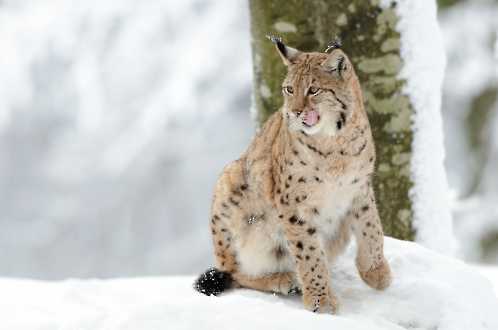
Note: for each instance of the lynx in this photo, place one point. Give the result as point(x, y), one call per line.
point(287, 207)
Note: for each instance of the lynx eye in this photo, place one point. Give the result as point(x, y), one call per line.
point(288, 90)
point(313, 90)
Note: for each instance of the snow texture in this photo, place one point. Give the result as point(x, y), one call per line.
point(491, 273)
point(425, 294)
point(423, 69)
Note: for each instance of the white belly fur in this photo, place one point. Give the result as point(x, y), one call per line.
point(256, 252)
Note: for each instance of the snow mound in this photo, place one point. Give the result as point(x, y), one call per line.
point(429, 291)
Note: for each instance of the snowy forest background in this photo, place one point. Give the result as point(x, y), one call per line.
point(117, 117)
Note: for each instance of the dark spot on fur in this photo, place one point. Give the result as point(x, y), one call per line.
point(293, 219)
point(355, 181)
point(312, 248)
point(303, 163)
point(220, 243)
point(278, 191)
point(299, 245)
point(311, 231)
point(295, 152)
point(368, 223)
point(280, 252)
point(307, 257)
point(315, 211)
point(301, 222)
point(302, 180)
point(363, 146)
point(244, 186)
point(365, 208)
point(233, 201)
point(280, 216)
point(290, 178)
point(225, 205)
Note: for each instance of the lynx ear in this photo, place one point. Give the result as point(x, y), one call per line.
point(288, 54)
point(338, 63)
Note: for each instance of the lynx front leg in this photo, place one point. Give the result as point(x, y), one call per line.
point(364, 218)
point(311, 267)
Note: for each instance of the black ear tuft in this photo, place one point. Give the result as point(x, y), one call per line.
point(334, 44)
point(278, 42)
point(213, 282)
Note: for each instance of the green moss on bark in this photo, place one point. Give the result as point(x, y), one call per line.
point(369, 37)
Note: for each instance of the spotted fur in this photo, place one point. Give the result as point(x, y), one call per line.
point(283, 211)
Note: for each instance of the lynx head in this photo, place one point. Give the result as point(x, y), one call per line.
point(321, 90)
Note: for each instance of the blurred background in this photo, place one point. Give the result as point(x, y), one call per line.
point(116, 117)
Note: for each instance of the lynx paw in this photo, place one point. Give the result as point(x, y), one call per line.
point(378, 276)
point(288, 285)
point(321, 304)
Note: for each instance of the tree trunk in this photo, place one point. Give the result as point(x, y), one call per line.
point(369, 38)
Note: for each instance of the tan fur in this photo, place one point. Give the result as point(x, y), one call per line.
point(284, 210)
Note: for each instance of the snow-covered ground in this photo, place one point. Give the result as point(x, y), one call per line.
point(429, 291)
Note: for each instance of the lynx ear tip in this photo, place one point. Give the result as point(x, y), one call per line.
point(273, 38)
point(334, 44)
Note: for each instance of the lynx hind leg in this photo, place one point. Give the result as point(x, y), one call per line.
point(284, 283)
point(228, 215)
point(367, 228)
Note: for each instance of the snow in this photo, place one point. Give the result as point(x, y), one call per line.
point(490, 272)
point(425, 294)
point(423, 69)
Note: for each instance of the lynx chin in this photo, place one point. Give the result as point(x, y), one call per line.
point(287, 207)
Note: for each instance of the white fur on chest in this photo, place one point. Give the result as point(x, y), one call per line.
point(336, 199)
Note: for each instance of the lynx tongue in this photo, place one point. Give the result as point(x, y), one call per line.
point(311, 118)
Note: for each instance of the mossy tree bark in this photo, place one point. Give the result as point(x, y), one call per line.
point(368, 35)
